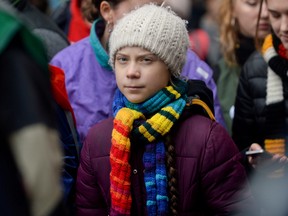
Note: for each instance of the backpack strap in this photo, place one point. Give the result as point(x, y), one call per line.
point(202, 104)
point(73, 131)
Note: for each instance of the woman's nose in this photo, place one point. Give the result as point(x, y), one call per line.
point(264, 11)
point(284, 24)
point(133, 71)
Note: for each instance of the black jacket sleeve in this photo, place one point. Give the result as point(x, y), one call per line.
point(248, 122)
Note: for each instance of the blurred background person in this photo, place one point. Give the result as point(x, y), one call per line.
point(53, 4)
point(205, 39)
point(41, 5)
point(75, 18)
point(261, 108)
point(54, 40)
point(42, 25)
point(197, 11)
point(31, 156)
point(238, 24)
point(182, 7)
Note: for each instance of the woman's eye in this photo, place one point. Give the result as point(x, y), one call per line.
point(274, 14)
point(121, 59)
point(146, 60)
point(252, 3)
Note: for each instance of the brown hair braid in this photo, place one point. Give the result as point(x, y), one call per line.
point(172, 176)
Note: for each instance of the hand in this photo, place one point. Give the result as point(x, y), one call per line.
point(262, 162)
point(253, 159)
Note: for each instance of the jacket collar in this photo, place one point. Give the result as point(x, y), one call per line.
point(100, 53)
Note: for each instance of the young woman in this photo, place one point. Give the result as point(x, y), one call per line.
point(238, 24)
point(89, 79)
point(261, 108)
point(157, 156)
point(261, 103)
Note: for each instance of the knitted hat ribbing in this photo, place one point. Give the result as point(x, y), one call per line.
point(156, 29)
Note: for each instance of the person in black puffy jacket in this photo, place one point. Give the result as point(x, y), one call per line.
point(261, 109)
point(261, 112)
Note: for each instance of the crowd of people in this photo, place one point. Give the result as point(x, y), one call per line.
point(118, 107)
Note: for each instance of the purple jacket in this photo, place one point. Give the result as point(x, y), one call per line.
point(210, 176)
point(91, 84)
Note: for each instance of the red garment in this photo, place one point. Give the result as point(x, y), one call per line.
point(200, 42)
point(59, 89)
point(78, 28)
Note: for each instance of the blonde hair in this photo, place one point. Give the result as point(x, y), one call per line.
point(228, 31)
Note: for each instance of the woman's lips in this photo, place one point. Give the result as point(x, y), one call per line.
point(284, 37)
point(133, 87)
point(264, 26)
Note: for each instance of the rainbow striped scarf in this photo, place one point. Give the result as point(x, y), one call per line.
point(166, 107)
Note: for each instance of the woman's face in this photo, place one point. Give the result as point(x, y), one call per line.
point(139, 73)
point(278, 15)
point(246, 15)
point(182, 7)
point(126, 6)
point(212, 7)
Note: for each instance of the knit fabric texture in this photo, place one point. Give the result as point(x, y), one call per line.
point(275, 106)
point(275, 72)
point(156, 29)
point(165, 107)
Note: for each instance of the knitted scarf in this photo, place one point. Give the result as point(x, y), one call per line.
point(165, 107)
point(276, 58)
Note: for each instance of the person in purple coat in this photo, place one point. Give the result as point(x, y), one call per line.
point(89, 79)
point(158, 155)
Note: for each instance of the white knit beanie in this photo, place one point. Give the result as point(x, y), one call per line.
point(155, 28)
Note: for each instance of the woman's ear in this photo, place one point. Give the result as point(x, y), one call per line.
point(106, 11)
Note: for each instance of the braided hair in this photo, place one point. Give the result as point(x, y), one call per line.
point(172, 175)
